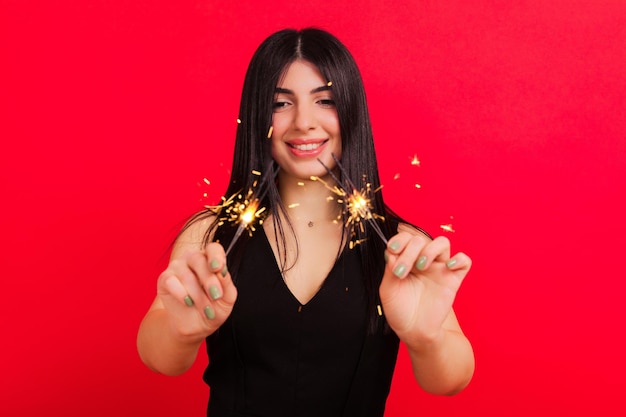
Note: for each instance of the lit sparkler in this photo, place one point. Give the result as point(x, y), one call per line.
point(357, 202)
point(244, 214)
point(241, 209)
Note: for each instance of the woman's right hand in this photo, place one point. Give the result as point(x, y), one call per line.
point(198, 293)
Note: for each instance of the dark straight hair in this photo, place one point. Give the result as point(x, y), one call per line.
point(252, 147)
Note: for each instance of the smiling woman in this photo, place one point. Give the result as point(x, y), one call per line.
point(509, 115)
point(296, 320)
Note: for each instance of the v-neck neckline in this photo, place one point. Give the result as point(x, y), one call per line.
point(278, 271)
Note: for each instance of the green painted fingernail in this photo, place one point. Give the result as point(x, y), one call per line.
point(188, 301)
point(214, 263)
point(224, 271)
point(451, 263)
point(209, 313)
point(421, 262)
point(399, 270)
point(394, 246)
point(214, 292)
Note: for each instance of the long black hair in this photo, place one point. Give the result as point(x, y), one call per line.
point(252, 147)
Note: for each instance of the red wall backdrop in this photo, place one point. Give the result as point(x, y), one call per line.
point(113, 112)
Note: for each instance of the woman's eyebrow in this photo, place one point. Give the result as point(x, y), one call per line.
point(319, 89)
point(280, 90)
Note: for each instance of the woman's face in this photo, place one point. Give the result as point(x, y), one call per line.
point(305, 125)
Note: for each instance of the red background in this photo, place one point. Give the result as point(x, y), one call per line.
point(112, 113)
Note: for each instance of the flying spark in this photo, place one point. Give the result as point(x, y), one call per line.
point(448, 227)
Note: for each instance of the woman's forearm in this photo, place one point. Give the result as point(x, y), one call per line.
point(162, 350)
point(444, 366)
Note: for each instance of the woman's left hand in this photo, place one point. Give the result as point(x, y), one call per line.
point(419, 286)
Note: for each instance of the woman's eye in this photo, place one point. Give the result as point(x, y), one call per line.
point(327, 102)
point(279, 105)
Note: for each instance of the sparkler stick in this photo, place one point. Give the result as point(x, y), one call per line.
point(357, 201)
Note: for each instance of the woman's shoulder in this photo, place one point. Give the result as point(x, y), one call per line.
point(193, 235)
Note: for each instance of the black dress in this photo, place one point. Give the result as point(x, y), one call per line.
point(274, 357)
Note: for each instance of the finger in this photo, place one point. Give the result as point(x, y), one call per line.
point(407, 258)
point(215, 251)
point(436, 250)
point(199, 300)
point(202, 298)
point(459, 262)
point(217, 264)
point(175, 288)
point(398, 242)
point(205, 273)
point(181, 269)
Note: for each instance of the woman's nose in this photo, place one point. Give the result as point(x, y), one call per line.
point(305, 118)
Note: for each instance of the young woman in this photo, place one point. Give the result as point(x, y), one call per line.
point(297, 322)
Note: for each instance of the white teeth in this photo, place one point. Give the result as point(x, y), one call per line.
point(307, 147)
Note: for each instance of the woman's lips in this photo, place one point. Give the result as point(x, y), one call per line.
point(306, 148)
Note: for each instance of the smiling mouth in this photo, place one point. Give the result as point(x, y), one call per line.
point(307, 146)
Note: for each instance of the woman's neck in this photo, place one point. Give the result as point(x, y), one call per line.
point(309, 201)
